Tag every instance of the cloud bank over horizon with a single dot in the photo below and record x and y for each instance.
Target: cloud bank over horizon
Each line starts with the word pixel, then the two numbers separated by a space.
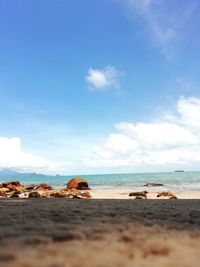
pixel 173 140
pixel 12 156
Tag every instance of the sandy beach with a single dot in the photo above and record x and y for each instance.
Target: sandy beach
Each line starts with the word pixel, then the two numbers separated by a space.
pixel 123 193
pixel 89 232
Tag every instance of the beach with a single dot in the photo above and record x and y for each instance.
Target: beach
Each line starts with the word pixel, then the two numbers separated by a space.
pixel 99 232
pixel 82 226
pixel 123 193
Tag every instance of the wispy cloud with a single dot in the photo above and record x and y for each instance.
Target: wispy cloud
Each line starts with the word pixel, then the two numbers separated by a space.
pixel 103 79
pixel 165 22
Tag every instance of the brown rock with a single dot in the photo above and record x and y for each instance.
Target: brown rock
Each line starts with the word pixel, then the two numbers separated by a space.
pixel 45 193
pixel 173 197
pixel 12 185
pixel 34 194
pixel 142 194
pixel 43 187
pixel 20 188
pixel 14 195
pixel 4 190
pixel 138 197
pixel 62 194
pixel 165 194
pixel 16 183
pixel 74 192
pixel 29 187
pixel 77 197
pixel 86 195
pixel 78 183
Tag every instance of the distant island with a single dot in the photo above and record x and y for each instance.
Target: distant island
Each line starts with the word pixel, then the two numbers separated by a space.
pixel 12 174
pixel 179 171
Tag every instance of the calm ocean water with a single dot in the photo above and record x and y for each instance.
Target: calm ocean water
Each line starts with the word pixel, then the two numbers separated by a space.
pixel 176 181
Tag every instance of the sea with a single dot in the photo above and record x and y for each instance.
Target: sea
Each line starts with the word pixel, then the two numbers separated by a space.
pixel 173 181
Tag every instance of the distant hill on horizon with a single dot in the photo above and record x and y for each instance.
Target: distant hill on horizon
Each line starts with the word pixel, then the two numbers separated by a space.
pixel 9 173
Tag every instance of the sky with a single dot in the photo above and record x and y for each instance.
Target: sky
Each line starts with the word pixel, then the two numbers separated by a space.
pixel 100 86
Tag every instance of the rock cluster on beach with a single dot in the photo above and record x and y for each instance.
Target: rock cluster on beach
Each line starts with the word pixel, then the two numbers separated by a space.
pixel 75 188
pixel 139 195
pixel 168 194
pixel 143 195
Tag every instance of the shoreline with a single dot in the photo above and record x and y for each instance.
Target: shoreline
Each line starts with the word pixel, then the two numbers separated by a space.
pixel 152 194
pixel 79 188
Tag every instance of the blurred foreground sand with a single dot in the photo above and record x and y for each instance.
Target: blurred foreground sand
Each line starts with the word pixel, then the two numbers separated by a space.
pixel 117 233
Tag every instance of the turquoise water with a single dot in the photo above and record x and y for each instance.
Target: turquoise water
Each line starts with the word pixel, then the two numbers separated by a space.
pixel 177 181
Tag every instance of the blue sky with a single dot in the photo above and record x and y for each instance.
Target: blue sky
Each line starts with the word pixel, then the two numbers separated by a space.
pixel 79 78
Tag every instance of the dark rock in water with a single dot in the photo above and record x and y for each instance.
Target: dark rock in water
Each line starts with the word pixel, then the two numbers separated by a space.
pixel 142 194
pixel 78 183
pixel 34 194
pixel 43 187
pixel 153 184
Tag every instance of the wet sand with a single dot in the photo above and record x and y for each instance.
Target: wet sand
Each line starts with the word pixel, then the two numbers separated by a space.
pixel 99 233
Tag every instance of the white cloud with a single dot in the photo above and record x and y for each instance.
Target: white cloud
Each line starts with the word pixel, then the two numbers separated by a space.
pixel 102 79
pixel 169 143
pixel 174 143
pixel 189 110
pixel 12 156
pixel 158 135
